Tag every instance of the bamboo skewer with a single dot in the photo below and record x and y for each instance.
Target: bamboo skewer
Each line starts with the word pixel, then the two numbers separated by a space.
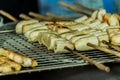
pixel 84 7
pixel 98 65
pixel 111 45
pixel 104 49
pixel 9 16
pixel 24 16
pixel 57 17
pixel 36 15
pixel 73 9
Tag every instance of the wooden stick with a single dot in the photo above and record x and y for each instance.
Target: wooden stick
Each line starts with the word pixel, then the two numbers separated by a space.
pixel 8 16
pixel 36 15
pixel 73 9
pixel 57 17
pixel 84 7
pixel 98 65
pixel 24 16
pixel 111 45
pixel 104 49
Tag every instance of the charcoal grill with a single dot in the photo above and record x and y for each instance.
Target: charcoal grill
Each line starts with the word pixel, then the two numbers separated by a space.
pixel 47 60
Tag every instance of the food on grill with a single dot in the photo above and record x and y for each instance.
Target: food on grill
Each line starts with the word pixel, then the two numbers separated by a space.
pixel 94 14
pixel 106 17
pixel 85 26
pixel 81 19
pixel 61 44
pixel 103 26
pixel 114 36
pixel 100 14
pixel 81 44
pixel 94 37
pixel 7 65
pixel 73 34
pixel 111 45
pixel 54 42
pixel 101 38
pixel 20 25
pixel 23 26
pixel 113 20
pixel 116 39
pixel 32 33
pixel 76 37
pixel 40 24
pixel 118 16
pixel 66 23
pixel 18 58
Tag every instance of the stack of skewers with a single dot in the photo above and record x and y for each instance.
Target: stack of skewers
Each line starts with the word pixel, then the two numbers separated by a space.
pixel 96 31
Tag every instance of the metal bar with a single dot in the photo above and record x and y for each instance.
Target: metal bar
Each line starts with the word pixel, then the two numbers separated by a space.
pixel 48 60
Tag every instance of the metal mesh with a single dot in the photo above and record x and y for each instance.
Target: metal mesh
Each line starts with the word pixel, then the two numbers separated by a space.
pixel 48 60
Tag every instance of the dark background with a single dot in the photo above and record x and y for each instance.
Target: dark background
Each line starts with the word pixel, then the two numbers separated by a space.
pixel 89 72
pixel 15 7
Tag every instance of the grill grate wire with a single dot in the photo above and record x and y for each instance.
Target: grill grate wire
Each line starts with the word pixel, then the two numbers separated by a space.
pixel 48 60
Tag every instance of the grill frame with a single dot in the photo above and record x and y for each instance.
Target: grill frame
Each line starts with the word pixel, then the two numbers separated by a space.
pixel 47 60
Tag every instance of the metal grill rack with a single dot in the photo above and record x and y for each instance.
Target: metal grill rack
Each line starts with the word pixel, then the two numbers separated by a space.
pixel 47 60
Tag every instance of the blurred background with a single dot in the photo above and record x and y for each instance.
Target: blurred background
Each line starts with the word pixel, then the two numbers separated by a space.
pixel 52 6
pixel 15 7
